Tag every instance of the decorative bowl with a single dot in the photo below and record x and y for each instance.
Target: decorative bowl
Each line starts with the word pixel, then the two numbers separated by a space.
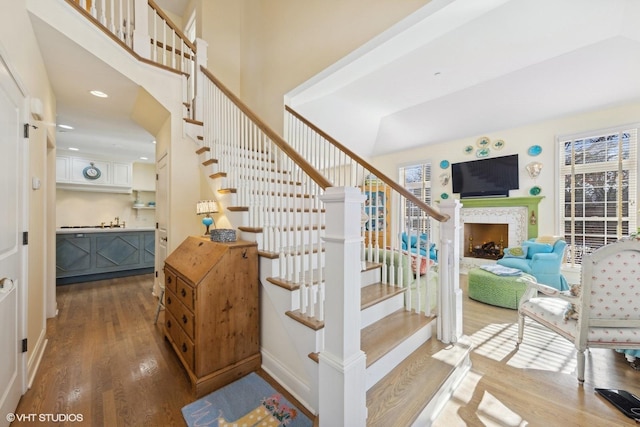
pixel 223 235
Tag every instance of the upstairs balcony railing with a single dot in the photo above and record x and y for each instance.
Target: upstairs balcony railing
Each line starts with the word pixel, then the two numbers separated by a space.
pixel 144 29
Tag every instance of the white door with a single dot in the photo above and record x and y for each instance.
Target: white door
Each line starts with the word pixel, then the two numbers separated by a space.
pixel 12 288
pixel 162 219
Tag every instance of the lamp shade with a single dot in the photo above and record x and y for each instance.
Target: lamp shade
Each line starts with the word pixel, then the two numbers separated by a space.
pixel 206 207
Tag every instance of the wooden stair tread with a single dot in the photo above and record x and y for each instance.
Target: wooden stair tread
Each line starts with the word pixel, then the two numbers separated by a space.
pixel 398 399
pixel 209 162
pixel 384 335
pixel 310 322
pixel 193 122
pixel 311 275
pixel 377 292
pixel 371 266
pixel 203 150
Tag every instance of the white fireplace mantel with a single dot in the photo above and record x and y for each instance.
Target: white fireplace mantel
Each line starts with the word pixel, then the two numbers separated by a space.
pixel 519 213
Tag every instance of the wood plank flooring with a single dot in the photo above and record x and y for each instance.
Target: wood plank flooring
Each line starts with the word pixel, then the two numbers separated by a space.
pixel 535 385
pixel 107 361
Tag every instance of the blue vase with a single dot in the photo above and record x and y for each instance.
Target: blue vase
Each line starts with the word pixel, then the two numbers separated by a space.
pixel 207 221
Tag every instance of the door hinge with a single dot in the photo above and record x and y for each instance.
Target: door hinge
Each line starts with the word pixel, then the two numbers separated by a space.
pixel 156 274
pixel 25 237
pixel 24 345
pixel 157 177
pixel 157 226
pixel 26 130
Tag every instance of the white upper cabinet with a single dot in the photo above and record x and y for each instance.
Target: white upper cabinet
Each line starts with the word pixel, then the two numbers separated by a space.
pixel 75 173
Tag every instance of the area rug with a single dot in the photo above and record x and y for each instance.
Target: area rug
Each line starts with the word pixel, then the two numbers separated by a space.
pixel 249 401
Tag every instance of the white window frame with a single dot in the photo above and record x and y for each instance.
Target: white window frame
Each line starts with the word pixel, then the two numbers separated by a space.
pixel 425 228
pixel 631 163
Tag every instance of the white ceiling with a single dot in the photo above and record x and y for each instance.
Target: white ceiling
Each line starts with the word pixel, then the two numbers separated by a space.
pixel 455 68
pixel 102 127
pixel 460 68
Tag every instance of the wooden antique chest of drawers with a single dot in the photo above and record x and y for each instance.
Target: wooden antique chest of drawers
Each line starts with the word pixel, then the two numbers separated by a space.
pixel 212 310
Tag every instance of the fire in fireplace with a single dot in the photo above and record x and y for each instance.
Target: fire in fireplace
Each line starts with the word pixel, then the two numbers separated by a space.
pixel 485 240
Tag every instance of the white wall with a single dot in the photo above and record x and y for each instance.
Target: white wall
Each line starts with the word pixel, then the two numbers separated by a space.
pixel 518 140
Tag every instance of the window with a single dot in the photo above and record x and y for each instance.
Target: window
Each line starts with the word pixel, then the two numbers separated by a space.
pixel 597 189
pixel 417 179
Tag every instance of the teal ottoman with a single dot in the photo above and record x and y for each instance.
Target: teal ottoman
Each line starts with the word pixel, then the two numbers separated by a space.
pixel 489 288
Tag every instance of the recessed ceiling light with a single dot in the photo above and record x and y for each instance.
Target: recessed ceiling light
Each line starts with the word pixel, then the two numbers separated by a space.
pixel 144 158
pixel 65 127
pixel 99 94
pixel 74 149
pixel 153 142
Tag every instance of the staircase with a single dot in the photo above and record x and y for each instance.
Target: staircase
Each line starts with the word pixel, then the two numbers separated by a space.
pixel 346 327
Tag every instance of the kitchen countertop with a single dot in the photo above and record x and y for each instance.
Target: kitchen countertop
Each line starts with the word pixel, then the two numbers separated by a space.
pixel 84 230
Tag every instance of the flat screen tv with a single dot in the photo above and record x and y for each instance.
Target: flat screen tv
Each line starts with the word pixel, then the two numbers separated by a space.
pixel 492 177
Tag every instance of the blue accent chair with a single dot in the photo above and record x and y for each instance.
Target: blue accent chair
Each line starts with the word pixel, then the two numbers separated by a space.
pixel 541 260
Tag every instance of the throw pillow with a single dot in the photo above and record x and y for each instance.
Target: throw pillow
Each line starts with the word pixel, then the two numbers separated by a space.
pixel 548 239
pixel 537 248
pixel 516 252
pixel 572 311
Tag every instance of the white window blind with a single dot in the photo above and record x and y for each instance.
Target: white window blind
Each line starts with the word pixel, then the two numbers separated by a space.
pixel 598 188
pixel 417 179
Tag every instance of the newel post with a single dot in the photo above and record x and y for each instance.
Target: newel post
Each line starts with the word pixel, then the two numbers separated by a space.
pixel 342 379
pixel 449 324
pixel 141 36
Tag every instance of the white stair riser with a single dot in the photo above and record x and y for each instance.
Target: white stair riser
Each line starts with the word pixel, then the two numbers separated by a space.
pixel 369 277
pixel 376 312
pixel 385 364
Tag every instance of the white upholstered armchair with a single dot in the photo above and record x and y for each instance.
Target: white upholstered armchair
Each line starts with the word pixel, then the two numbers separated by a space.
pixel 605 314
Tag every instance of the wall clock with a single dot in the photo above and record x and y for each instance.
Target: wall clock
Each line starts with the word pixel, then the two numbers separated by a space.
pixel 91 172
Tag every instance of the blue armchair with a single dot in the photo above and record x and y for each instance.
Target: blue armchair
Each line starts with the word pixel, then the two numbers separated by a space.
pixel 541 258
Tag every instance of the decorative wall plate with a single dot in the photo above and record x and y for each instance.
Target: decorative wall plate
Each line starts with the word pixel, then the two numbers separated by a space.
pixel 444 196
pixel 444 178
pixel 498 144
pixel 483 142
pixel 91 172
pixel 534 150
pixel 468 149
pixel 482 152
pixel 535 190
pixel 444 164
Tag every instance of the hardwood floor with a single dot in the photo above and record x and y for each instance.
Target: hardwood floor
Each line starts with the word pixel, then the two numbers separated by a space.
pixel 107 361
pixel 535 385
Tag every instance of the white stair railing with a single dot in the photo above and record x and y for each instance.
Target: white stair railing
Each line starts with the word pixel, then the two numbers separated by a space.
pixel 395 219
pixel 279 187
pixel 162 43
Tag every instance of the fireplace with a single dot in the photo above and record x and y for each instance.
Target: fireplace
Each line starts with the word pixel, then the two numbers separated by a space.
pixel 506 222
pixel 484 240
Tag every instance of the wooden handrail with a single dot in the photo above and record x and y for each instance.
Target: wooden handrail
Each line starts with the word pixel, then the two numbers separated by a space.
pixel 170 23
pixel 171 49
pixel 388 181
pixel 316 176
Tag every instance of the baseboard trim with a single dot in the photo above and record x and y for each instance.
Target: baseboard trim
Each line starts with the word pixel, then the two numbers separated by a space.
pixel 36 357
pixel 291 383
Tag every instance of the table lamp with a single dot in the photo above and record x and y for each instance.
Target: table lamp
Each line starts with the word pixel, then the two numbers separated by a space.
pixel 206 208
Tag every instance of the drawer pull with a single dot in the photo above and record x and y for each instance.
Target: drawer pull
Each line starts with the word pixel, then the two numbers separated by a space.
pixel 169 279
pixel 168 300
pixel 169 324
pixel 184 348
pixel 184 319
pixel 183 292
